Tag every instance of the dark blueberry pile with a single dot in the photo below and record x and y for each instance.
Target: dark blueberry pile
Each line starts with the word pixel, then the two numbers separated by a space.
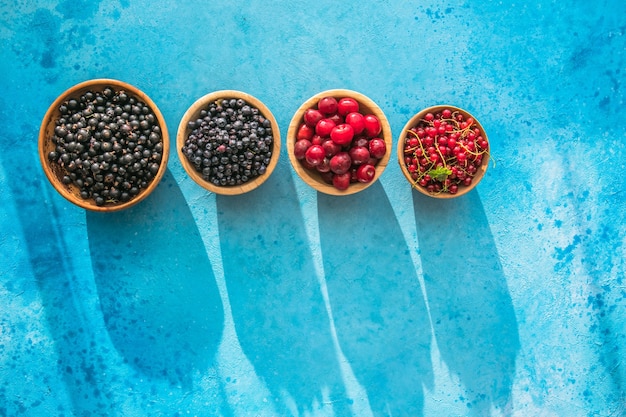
pixel 230 143
pixel 108 144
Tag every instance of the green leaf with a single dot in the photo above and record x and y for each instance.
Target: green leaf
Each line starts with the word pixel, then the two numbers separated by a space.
pixel 439 173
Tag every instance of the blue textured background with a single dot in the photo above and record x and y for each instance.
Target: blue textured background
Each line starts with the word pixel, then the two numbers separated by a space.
pixel 509 301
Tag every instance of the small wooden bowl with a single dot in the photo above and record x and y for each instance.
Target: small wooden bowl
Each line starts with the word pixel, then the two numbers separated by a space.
pixel 313 178
pixel 54 173
pixel 193 113
pixel 463 189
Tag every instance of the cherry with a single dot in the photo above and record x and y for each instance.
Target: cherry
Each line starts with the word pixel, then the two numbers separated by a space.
pixel 365 173
pixel 324 166
pixel 300 148
pixel 318 140
pixel 327 177
pixel 336 118
pixel 372 125
pixel 357 121
pixel 342 181
pixel 327 105
pixel 305 132
pixel 342 144
pixel 315 155
pixel 324 127
pixel 347 105
pixel 312 116
pixel 342 134
pixel 330 147
pixel 359 154
pixel 377 148
pixel 360 141
pixel 340 163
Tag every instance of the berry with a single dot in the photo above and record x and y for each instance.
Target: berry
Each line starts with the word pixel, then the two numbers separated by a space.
pixel 359 154
pixel 347 105
pixel 312 116
pixel 365 173
pixel 342 181
pixel 344 146
pixel 377 148
pixel 305 132
pixel 330 147
pixel 301 147
pixel 357 121
pixel 340 163
pixel 444 151
pixel 324 127
pixel 327 105
pixel 315 155
pixel 231 142
pixel 372 125
pixel 106 140
pixel 324 166
pixel 342 134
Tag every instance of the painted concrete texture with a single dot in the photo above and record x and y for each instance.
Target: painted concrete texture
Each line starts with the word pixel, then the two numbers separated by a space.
pixel 509 301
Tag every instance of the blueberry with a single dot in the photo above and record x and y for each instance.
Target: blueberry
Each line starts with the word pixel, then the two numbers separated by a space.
pixel 232 132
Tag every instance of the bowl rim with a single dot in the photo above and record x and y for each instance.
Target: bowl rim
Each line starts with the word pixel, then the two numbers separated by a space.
pixel 312 178
pixel 463 189
pixel 48 122
pixel 183 133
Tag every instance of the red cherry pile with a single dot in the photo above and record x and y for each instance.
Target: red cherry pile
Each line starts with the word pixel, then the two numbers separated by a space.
pixel 444 151
pixel 340 142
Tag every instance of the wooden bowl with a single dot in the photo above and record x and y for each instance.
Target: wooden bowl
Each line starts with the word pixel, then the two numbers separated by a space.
pixel 193 113
pixel 54 172
pixel 313 178
pixel 462 189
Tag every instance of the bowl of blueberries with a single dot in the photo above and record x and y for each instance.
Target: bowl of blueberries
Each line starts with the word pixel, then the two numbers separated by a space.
pixel 228 142
pixel 103 145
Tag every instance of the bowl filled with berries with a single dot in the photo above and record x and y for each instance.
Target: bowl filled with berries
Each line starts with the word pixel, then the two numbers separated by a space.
pixel 339 142
pixel 103 145
pixel 228 142
pixel 443 151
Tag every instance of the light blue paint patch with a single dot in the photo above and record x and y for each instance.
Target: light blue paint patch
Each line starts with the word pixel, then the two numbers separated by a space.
pixel 565 255
pixel 45 26
pixel 78 9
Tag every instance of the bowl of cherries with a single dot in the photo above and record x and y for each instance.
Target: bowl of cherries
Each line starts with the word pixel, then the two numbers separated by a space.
pixel 443 151
pixel 103 145
pixel 339 142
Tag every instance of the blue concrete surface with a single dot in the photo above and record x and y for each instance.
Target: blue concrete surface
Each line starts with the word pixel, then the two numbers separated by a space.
pixel 509 301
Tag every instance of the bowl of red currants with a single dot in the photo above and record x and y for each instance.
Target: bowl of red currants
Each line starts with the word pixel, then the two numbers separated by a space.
pixel 443 151
pixel 228 142
pixel 103 145
pixel 339 142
